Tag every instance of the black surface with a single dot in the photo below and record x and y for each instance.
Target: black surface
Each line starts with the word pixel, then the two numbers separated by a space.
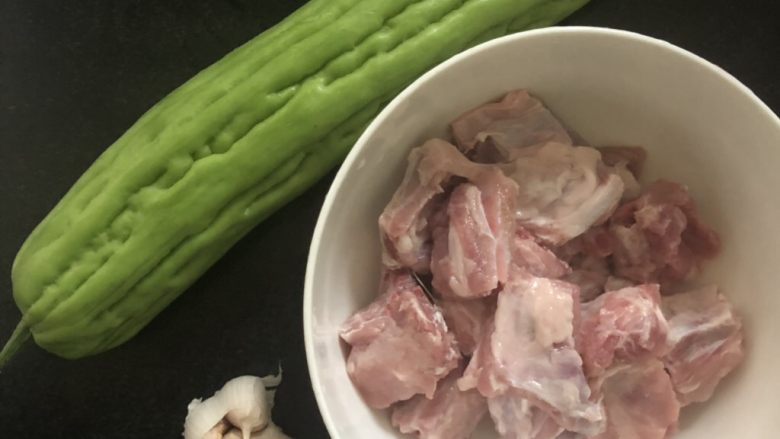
pixel 75 74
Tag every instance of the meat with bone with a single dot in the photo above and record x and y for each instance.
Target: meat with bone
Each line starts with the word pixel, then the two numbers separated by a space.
pixel 564 190
pixel 639 401
pixel 659 236
pixel 528 352
pixel 404 223
pixel 399 344
pixel 706 337
pixel 518 120
pixel 472 254
pixel 622 326
pixel 451 414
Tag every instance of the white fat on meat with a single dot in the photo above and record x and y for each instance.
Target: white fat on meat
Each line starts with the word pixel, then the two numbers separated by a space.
pixel 620 327
pixel 564 190
pixel 450 414
pixel 517 120
pixel 528 352
pixel 706 337
pixel 399 344
pixel 639 401
pixel 516 417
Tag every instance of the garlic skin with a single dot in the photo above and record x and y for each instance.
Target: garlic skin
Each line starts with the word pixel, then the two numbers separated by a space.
pixel 241 410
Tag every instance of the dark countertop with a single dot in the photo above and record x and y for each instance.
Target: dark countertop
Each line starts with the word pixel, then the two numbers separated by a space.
pixel 74 75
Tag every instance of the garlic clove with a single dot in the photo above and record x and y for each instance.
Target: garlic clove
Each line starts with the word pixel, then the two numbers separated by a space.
pixel 246 397
pixel 202 417
pixel 243 403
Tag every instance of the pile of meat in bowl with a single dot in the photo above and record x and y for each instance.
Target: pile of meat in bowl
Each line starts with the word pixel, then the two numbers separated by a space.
pixel 535 281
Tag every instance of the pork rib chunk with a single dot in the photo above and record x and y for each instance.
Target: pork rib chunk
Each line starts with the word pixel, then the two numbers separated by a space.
pixel 399 344
pixel 706 337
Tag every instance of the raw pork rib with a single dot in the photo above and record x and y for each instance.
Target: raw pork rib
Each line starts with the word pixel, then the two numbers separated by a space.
pixel 467 320
pixel 400 344
pixel 528 352
pixel 518 120
pixel 622 326
pixel 404 223
pixel 451 414
pixel 471 256
pixel 659 237
pixel 706 337
pixel 640 402
pixel 564 190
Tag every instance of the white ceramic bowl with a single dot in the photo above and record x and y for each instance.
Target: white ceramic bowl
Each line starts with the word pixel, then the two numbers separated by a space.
pixel 701 127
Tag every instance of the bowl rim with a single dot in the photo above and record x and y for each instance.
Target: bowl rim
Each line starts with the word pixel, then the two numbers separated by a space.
pixel 348 162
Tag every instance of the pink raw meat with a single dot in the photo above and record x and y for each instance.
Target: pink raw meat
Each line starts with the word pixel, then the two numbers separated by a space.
pixel 564 190
pixel 471 256
pixel 529 255
pixel 451 414
pixel 529 350
pixel 404 223
pixel 518 120
pixel 706 336
pixel 467 320
pixel 400 344
pixel 516 417
pixel 640 402
pixel 659 236
pixel 622 326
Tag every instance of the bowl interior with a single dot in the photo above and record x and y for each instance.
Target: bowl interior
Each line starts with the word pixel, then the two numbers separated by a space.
pixel 701 127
